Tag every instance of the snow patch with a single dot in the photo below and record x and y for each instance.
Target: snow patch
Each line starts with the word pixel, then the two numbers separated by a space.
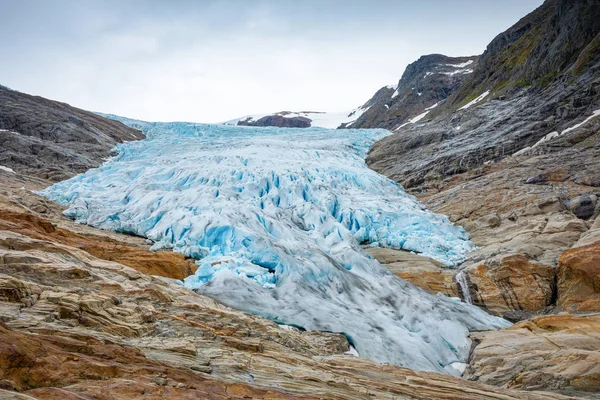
pixel 476 100
pixel 6 169
pixel 461 65
pixel 459 366
pixel 419 117
pixel 458 71
pixel 352 352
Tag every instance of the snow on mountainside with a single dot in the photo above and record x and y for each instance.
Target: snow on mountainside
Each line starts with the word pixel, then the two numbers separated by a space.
pixel 276 218
pixel 426 82
pixel 328 120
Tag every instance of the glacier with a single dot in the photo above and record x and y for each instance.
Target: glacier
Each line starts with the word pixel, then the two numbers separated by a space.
pixel 277 219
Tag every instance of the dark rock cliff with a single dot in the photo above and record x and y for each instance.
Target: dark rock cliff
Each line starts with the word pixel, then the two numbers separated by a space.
pixel 53 140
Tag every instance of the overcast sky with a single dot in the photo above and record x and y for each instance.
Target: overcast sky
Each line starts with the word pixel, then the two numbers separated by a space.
pixel 209 61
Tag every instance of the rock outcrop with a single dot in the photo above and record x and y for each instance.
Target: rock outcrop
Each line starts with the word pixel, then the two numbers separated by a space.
pixel 579 278
pixel 513 284
pixel 53 140
pixel 424 272
pixel 559 352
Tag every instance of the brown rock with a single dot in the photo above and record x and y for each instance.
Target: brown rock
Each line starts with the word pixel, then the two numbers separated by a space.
pixel 424 272
pixel 515 284
pixel 162 263
pixel 579 278
pixel 558 352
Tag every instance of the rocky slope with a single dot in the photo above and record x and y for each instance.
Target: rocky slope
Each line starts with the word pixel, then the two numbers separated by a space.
pixel 510 101
pixel 53 140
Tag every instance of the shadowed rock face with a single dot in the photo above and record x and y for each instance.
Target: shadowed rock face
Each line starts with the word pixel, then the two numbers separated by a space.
pixel 53 140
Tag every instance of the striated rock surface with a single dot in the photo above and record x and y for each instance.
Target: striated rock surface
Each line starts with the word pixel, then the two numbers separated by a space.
pixel 559 352
pixel 578 278
pixel 513 284
pixel 424 272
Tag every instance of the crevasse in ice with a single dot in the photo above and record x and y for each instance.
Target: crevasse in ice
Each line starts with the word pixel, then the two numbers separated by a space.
pixel 276 218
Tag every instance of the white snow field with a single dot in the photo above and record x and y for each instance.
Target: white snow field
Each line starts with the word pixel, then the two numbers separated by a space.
pixel 276 218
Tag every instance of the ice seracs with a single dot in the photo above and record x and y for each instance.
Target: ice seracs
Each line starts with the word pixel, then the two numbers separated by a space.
pixel 277 219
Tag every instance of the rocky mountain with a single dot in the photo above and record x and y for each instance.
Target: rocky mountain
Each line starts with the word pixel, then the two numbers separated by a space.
pixel 278 120
pixel 425 84
pixel 537 78
pixel 53 140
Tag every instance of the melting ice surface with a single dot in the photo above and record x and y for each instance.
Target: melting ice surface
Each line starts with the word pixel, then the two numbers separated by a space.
pixel 276 218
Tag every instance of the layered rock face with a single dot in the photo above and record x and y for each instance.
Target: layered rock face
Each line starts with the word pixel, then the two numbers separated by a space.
pixel 53 140
pixel 554 352
pixel 579 278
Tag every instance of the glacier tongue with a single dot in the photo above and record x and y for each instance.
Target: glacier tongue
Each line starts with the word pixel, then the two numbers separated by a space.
pixel 276 218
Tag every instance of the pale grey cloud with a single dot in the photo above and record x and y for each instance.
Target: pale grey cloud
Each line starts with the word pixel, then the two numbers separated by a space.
pixel 214 60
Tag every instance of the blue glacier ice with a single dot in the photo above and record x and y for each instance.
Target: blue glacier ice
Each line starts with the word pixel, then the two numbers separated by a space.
pixel 276 218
